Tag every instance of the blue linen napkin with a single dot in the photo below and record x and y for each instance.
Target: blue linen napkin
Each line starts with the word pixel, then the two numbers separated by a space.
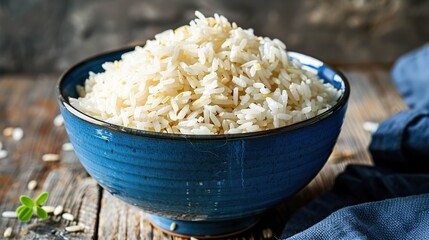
pixel 390 200
pixel 396 218
pixel 402 142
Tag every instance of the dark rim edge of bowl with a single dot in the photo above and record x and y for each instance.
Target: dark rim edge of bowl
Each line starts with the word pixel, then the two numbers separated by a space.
pixel 225 137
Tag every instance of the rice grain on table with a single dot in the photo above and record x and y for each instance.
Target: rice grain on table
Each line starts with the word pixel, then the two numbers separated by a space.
pixel 67 147
pixel 208 77
pixel 49 209
pixel 8 232
pixel 58 210
pixel 67 216
pixel 3 153
pixel 50 157
pixel 75 228
pixel 17 134
pixel 58 120
pixel 9 214
pixel 370 127
pixel 32 185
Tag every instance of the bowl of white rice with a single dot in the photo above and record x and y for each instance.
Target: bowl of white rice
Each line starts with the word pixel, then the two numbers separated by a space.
pixel 203 127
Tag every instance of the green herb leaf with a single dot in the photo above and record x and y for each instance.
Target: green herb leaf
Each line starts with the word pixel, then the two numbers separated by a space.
pixel 20 208
pixel 30 206
pixel 25 214
pixel 26 201
pixel 41 199
pixel 41 213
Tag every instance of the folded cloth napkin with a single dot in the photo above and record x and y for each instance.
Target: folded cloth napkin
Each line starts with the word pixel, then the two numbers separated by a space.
pixel 402 142
pixel 359 193
pixel 390 200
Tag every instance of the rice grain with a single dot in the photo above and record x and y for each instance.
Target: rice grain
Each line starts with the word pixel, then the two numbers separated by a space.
pixel 58 120
pixel 170 84
pixel 3 154
pixel 67 216
pixel 48 209
pixel 58 210
pixel 32 185
pixel 9 214
pixel 17 134
pixel 67 147
pixel 75 228
pixel 50 157
pixel 8 232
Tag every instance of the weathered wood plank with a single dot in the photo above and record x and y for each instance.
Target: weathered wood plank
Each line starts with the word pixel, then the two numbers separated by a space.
pixel 20 166
pixel 78 195
pixel 119 220
pixel 31 104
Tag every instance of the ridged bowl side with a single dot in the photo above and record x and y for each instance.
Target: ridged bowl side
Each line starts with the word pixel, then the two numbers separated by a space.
pixel 200 178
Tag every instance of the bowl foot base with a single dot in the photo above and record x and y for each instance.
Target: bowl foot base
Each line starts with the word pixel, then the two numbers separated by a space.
pixel 203 229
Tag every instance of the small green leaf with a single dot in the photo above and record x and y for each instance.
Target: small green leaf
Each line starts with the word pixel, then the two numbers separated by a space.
pixel 20 208
pixel 26 200
pixel 30 207
pixel 41 199
pixel 25 214
pixel 41 213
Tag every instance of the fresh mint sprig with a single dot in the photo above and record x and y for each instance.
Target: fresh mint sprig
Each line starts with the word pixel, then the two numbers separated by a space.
pixel 30 206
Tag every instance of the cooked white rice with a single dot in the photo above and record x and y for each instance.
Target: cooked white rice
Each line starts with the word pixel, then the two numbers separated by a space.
pixel 208 77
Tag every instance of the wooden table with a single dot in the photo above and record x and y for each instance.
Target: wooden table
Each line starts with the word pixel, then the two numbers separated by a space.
pixel 30 102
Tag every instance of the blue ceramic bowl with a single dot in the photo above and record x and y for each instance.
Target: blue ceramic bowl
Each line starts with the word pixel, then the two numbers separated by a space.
pixel 207 185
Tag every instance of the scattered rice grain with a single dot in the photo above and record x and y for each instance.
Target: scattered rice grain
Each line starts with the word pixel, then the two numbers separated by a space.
pixel 32 185
pixel 17 134
pixel 49 209
pixel 50 157
pixel 8 232
pixel 3 154
pixel 75 228
pixel 58 120
pixel 370 127
pixel 9 214
pixel 173 226
pixel 67 216
pixel 67 147
pixel 58 210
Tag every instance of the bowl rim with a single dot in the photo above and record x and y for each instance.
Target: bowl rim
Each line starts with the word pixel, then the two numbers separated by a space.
pixel 189 137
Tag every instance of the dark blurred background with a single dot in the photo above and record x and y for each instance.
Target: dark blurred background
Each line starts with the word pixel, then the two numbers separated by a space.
pixel 47 36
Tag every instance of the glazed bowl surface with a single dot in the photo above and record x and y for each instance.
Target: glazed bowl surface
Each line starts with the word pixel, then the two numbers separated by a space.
pixel 201 177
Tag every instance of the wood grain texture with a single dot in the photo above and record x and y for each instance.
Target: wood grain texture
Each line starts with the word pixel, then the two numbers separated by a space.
pixel 30 103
